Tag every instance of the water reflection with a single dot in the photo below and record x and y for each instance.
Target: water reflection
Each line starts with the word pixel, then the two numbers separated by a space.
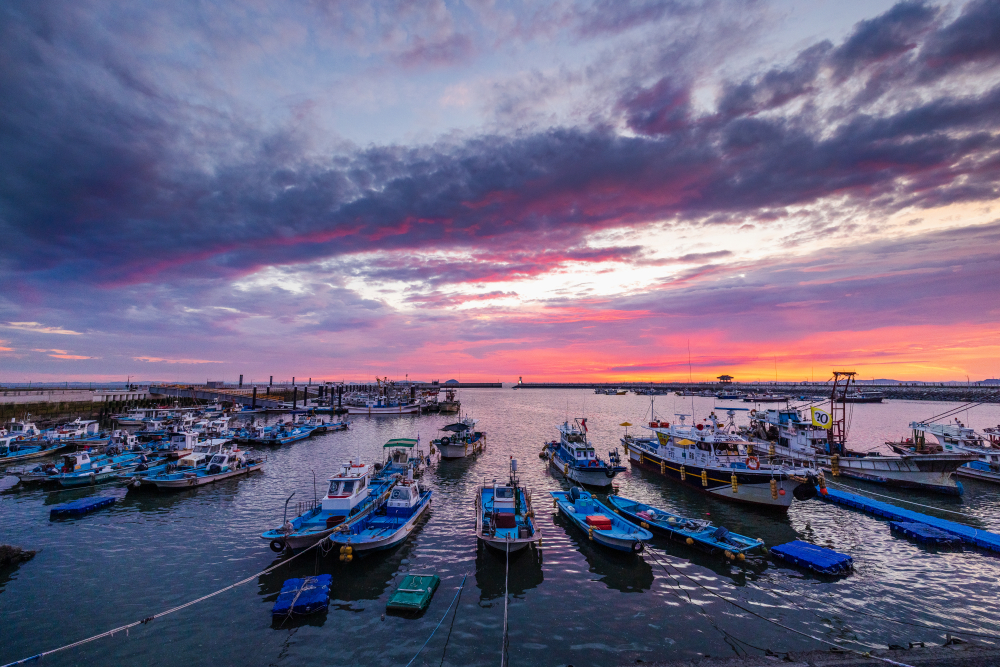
pixel 524 574
pixel 621 571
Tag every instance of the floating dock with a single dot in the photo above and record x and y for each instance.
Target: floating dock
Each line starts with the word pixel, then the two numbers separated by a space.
pixel 921 532
pixel 414 592
pixel 812 557
pixel 82 506
pixel 980 538
pixel 299 597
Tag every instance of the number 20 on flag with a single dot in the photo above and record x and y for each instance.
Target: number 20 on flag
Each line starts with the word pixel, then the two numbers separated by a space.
pixel 820 418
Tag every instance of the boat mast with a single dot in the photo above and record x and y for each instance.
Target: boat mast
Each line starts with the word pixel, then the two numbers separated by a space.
pixel 838 411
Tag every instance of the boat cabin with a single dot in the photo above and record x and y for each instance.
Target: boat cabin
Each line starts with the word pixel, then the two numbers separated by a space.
pixel 348 488
pixel 404 497
pixel 76 462
pixel 123 440
pixel 22 429
pixel 573 441
pixel 182 442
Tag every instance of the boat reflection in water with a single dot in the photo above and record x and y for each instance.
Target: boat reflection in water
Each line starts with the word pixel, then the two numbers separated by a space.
pixel 621 571
pixel 491 567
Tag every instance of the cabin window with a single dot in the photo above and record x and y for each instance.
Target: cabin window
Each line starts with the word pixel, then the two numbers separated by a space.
pixel 218 459
pixel 348 487
pixel 704 446
pixel 399 494
pixel 505 492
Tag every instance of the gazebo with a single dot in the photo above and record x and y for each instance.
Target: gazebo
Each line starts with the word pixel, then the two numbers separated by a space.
pixel 725 379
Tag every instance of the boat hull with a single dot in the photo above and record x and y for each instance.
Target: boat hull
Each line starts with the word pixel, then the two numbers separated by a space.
pixel 982 472
pixel 387 542
pixel 31 455
pixel 587 476
pixel 930 472
pixel 459 451
pixel 385 411
pixel 201 480
pixel 624 536
pixel 753 488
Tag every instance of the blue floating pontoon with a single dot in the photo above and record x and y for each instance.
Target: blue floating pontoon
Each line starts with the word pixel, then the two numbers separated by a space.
pixel 812 557
pixel 82 506
pixel 924 533
pixel 299 597
pixel 980 538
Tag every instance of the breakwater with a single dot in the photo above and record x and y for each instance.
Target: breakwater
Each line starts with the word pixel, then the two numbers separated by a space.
pixel 911 391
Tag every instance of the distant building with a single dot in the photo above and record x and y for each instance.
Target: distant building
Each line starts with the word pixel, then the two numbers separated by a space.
pixel 992 381
pixel 215 384
pixel 725 379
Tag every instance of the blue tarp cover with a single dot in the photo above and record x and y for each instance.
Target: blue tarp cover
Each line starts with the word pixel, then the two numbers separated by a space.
pixel 812 557
pixel 303 596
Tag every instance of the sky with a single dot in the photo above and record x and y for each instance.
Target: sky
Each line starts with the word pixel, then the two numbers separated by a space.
pixel 617 189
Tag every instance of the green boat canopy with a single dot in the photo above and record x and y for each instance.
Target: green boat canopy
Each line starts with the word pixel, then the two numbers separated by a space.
pixel 400 442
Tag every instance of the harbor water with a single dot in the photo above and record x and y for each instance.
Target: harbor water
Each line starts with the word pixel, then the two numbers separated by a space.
pixel 571 603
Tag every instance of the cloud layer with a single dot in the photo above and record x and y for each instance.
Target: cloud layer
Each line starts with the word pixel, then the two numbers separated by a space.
pixel 163 202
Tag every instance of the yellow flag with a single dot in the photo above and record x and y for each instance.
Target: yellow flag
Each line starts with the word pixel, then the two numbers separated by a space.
pixel 820 418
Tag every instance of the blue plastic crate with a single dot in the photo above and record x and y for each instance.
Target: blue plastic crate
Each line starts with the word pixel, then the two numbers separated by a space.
pixel 812 557
pixel 82 506
pixel 299 597
pixel 924 533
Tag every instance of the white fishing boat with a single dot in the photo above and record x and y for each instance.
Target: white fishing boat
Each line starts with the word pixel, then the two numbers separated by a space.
pixel 956 437
pixel 463 440
pixel 223 465
pixel 575 457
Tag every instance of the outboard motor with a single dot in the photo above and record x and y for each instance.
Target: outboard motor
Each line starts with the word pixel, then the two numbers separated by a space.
pixel 574 493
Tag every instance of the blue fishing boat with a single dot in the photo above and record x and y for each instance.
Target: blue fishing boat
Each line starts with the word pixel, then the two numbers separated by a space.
pixel 353 491
pixel 226 464
pixel 387 525
pixel 505 519
pixel 574 456
pixel 279 434
pixel 151 469
pixel 403 455
pixel 600 523
pixel 14 448
pixel 697 532
pixel 80 470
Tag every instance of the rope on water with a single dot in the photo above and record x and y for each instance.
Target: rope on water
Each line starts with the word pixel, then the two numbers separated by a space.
pixel 930 507
pixel 504 657
pixel 453 600
pixel 111 633
pixel 773 622
pixel 452 626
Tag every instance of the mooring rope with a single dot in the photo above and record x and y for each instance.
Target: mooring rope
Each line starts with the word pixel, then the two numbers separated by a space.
pixel 111 633
pixel 773 622
pixel 504 658
pixel 453 600
pixel 930 507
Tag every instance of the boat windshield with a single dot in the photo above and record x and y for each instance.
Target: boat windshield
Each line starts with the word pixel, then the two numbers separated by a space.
pixel 218 459
pixel 505 492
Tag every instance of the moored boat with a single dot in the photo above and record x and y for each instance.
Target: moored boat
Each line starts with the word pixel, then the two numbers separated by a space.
pixel 600 523
pixel 697 532
pixel 79 469
pixel 464 440
pixel 352 492
pixel 13 448
pixel 710 457
pixel 505 520
pixel 575 457
pixel 388 524
pixel 223 465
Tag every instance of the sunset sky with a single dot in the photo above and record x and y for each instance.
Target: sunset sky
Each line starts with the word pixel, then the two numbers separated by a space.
pixel 485 190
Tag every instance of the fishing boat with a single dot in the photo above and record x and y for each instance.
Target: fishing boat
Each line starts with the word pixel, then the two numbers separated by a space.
pixel 144 473
pixel 505 520
pixel 14 448
pixel 223 465
pixel 22 429
pixel 860 396
pixel 80 470
pixel 600 523
pixel 820 440
pixel 387 525
pixel 176 445
pixel 713 458
pixel 766 398
pixel 954 437
pixel 464 440
pixel 576 459
pixel 404 455
pixel 352 491
pixel 380 406
pixel 697 532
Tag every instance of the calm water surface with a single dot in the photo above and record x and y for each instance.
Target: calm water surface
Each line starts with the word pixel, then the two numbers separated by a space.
pixel 572 603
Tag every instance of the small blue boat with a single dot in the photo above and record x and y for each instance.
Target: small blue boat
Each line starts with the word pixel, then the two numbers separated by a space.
pixel 698 532
pixel 600 523
pixel 387 525
pixel 575 457
pixel 505 520
pixel 80 470
pixel 14 448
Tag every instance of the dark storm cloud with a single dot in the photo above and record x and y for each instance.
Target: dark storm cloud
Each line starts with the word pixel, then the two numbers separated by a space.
pixel 108 180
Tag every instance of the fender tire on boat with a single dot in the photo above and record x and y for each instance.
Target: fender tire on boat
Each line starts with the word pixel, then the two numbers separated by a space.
pixel 277 546
pixel 638 547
